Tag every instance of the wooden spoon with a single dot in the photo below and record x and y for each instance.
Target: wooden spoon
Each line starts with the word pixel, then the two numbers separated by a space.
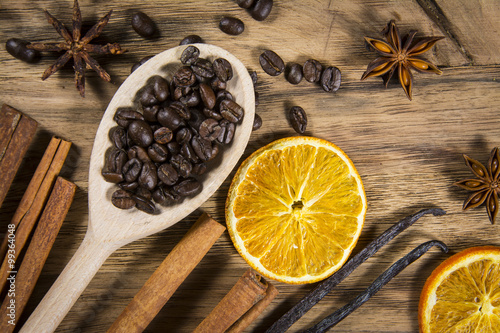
pixel 110 228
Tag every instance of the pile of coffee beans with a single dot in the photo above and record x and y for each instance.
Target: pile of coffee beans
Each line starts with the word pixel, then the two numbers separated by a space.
pixel 160 151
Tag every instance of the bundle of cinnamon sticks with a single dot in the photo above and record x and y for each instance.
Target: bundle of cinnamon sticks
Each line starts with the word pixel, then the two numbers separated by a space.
pixel 39 215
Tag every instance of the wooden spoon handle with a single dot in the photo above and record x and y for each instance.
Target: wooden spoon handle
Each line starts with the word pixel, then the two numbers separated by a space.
pixel 69 285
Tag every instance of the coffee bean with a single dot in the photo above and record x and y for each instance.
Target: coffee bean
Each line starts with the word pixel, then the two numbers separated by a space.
pixel 181 109
pixel 138 152
pixel 183 135
pixel 148 177
pixel 253 76
pixel 163 135
pixel 132 169
pixel 293 73
pixel 257 100
pixel 158 153
pixel 167 174
pixel 118 136
pixel 257 122
pixel 143 24
pixel 209 129
pixel 231 25
pixel 312 70
pixel 197 117
pixel 188 152
pixel 191 39
pixel 184 77
pixel 298 119
pixel 125 116
pixel 187 96
pixel 144 192
pixel 203 68
pixel 261 9
pixel 161 88
pixel 147 96
pixel 207 95
pixel 330 79
pixel 231 110
pixel 271 63
pixel 210 113
pixel 188 187
pixel 182 165
pixel 204 148
pixel 129 186
pixel 217 84
pixel 140 63
pixel 144 204
pixel 18 49
pixel 113 177
pixel 173 148
pixel 227 132
pixel 190 55
pixel 115 160
pixel 245 3
pixel 122 199
pixel 140 132
pixel 223 94
pixel 149 113
pixel 168 117
pixel 199 169
pixel 223 69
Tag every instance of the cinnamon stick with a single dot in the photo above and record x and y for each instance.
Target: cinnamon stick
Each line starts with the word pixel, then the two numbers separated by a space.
pixel 33 187
pixel 23 283
pixel 249 290
pixel 168 276
pixel 19 131
pixel 26 221
pixel 241 324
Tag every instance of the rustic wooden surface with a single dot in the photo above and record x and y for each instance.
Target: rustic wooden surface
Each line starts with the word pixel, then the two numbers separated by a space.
pixel 408 153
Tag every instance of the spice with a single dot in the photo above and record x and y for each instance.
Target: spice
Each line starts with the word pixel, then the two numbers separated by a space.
pixel 249 290
pixel 78 47
pixel 394 54
pixel 34 198
pixel 16 132
pixel 306 303
pixel 486 188
pixel 381 281
pixel 255 311
pixel 168 276
pixel 44 237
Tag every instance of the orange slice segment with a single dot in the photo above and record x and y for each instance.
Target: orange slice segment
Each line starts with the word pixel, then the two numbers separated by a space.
pixel 295 209
pixel 463 293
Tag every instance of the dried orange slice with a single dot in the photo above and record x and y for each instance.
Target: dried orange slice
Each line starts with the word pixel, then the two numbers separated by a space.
pixel 463 293
pixel 295 209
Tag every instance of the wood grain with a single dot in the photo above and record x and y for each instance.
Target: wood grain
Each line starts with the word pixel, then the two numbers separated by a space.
pixel 407 153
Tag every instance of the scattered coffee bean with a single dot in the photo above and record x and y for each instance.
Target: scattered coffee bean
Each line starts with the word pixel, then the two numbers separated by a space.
pixel 298 119
pixel 261 9
pixel 19 50
pixel 190 55
pixel 271 63
pixel 253 75
pixel 143 24
pixel 140 63
pixel 257 122
pixel 122 199
pixel 191 39
pixel 231 25
pixel 312 70
pixel 293 73
pixel 245 3
pixel 330 79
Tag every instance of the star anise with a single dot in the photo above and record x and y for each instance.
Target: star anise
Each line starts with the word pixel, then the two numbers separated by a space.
pixel 78 47
pixel 401 54
pixel 486 187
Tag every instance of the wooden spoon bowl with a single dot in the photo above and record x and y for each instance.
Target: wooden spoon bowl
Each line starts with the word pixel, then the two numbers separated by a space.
pixel 109 227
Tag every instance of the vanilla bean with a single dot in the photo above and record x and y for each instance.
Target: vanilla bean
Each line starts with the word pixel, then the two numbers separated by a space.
pixel 381 281
pixel 311 299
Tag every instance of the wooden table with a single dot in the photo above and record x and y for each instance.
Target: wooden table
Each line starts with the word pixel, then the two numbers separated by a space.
pixel 408 153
